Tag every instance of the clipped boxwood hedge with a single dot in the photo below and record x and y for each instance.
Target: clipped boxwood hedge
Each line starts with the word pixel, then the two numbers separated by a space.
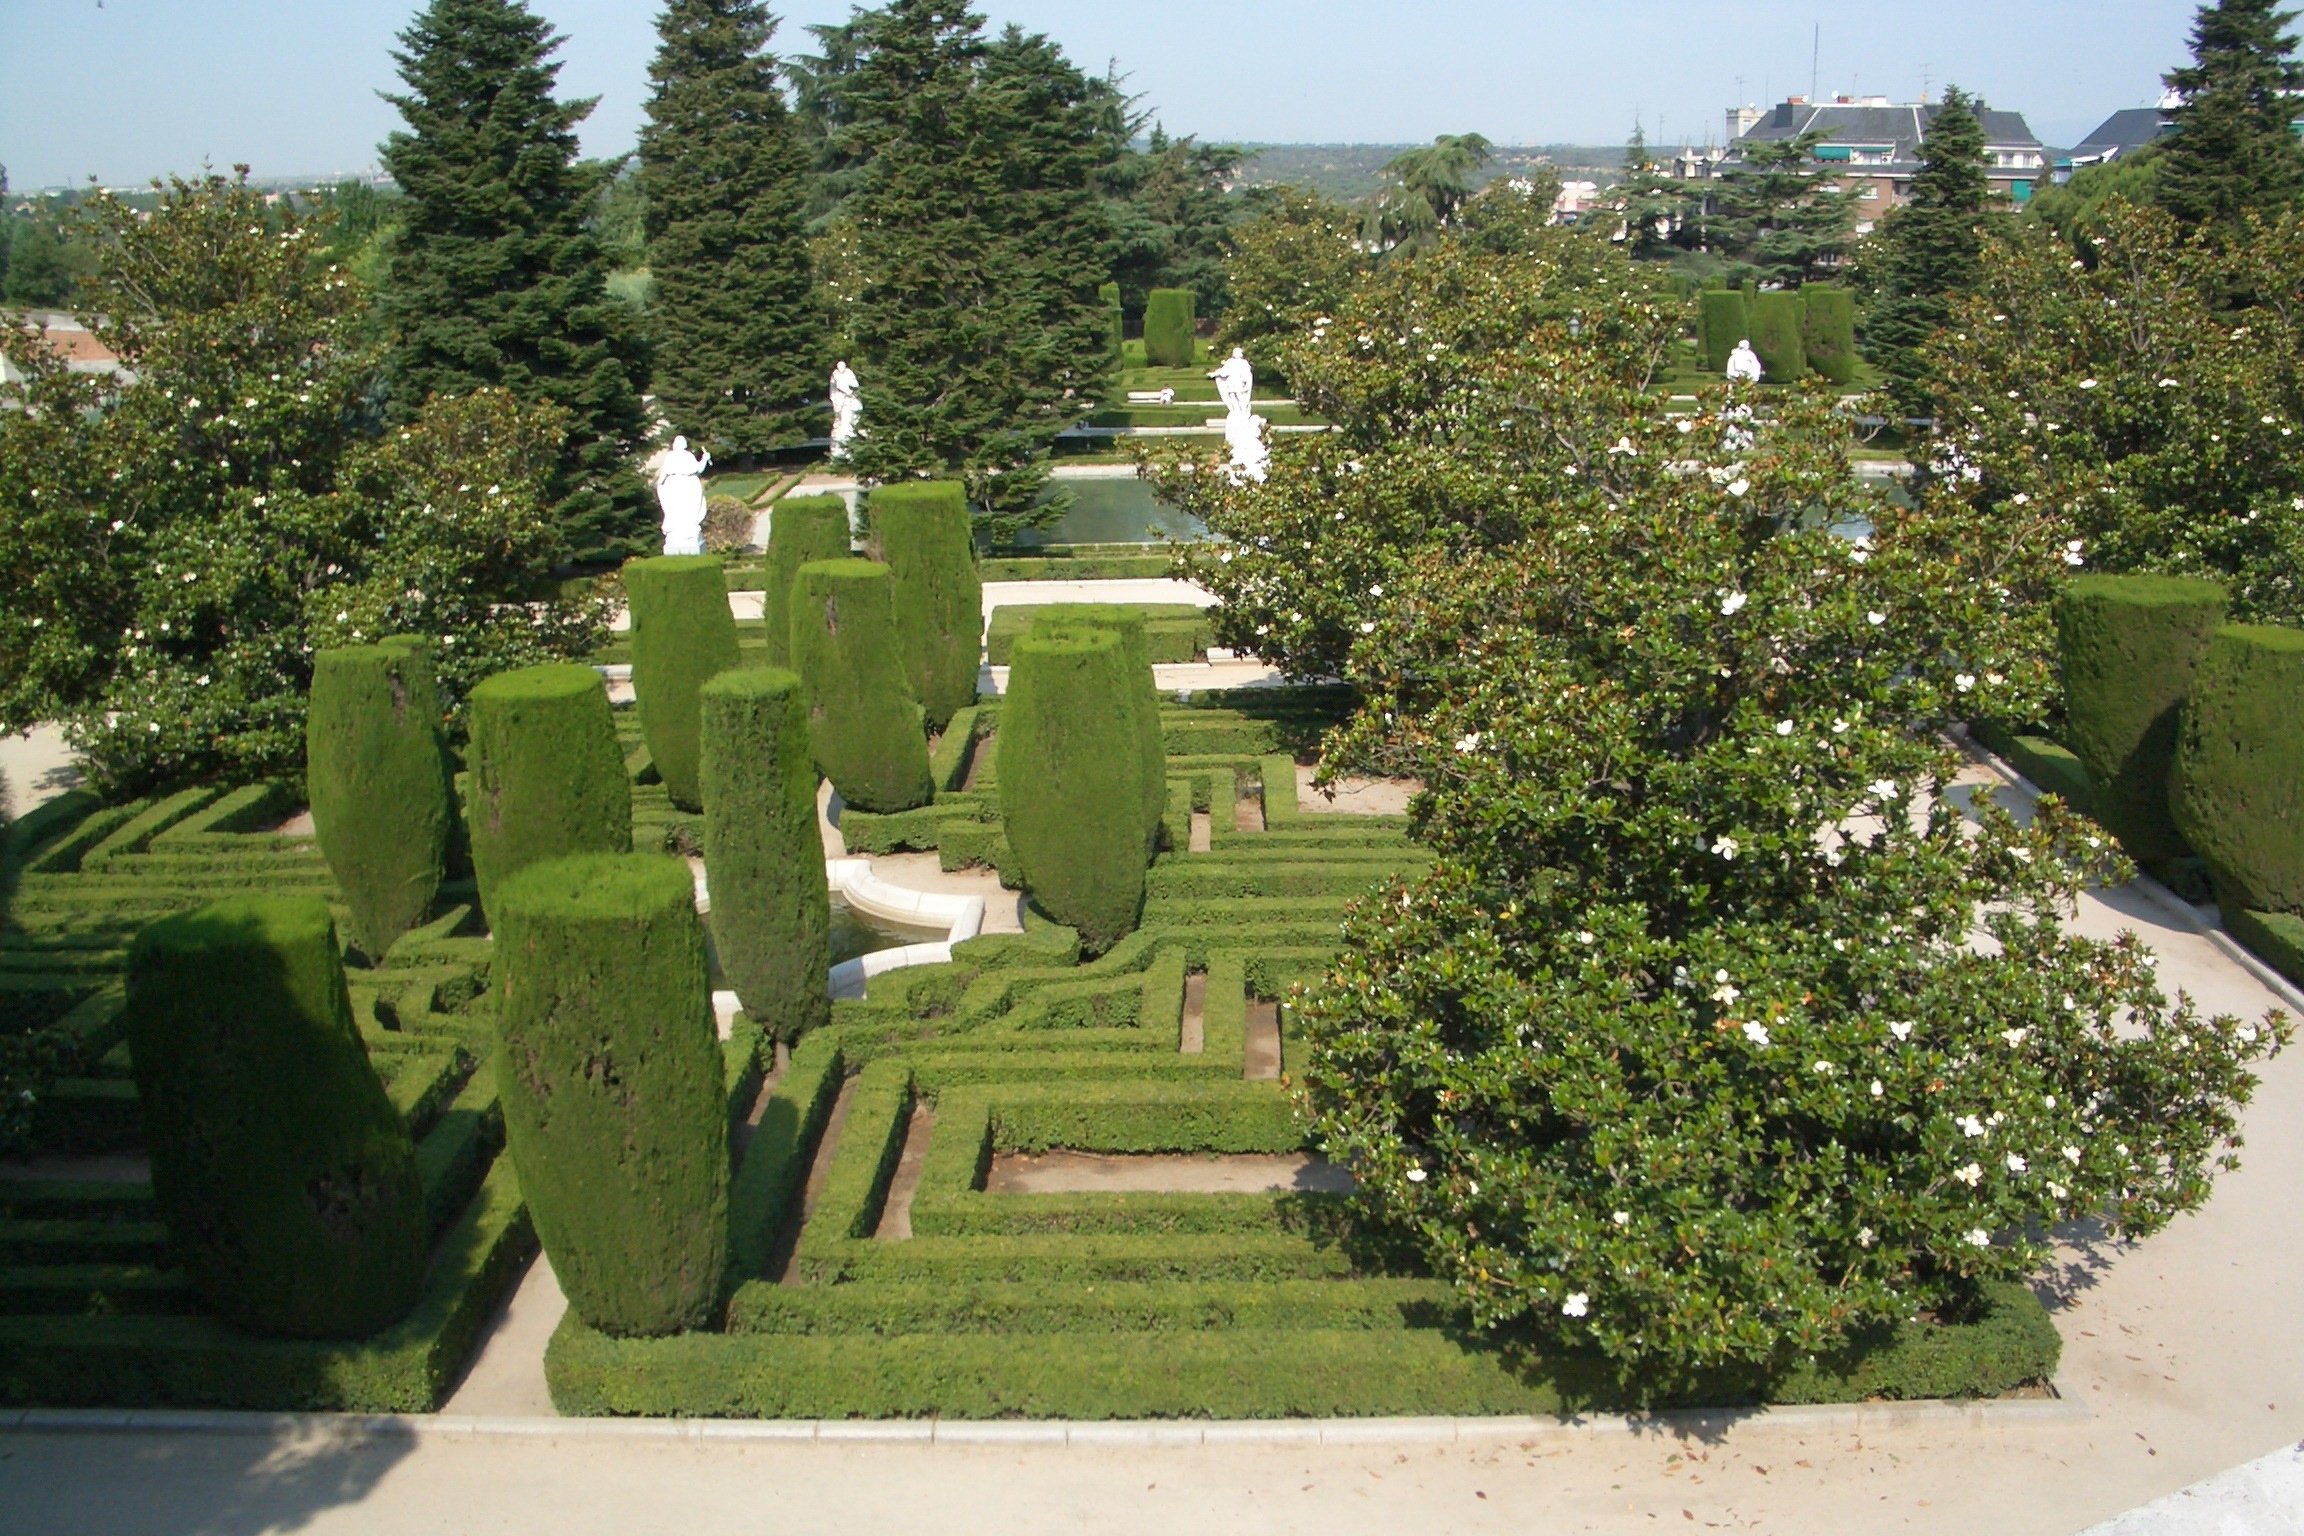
pixel 763 853
pixel 610 1070
pixel 2239 794
pixel 1775 320
pixel 2128 647
pixel 1168 321
pixel 682 636
pixel 1828 331
pixel 1724 323
pixel 382 806
pixel 862 721
pixel 1128 623
pixel 1071 780
pixel 1109 294
pixel 922 526
pixel 287 1181
pixel 801 529
pixel 547 776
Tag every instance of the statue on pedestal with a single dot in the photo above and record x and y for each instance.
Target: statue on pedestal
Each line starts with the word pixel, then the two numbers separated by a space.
pixel 1235 383
pixel 1744 364
pixel 680 496
pixel 847 407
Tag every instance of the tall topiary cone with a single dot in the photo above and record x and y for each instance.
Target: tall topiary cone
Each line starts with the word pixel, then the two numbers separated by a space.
pixel 1775 317
pixel 2239 794
pixel 609 1068
pixel 1109 294
pixel 2129 646
pixel 548 779
pixel 285 1177
pixel 381 801
pixel 1724 324
pixel 862 722
pixel 1128 624
pixel 682 636
pixel 1072 780
pixel 801 529
pixel 763 854
pixel 1828 331
pixel 931 556
pixel 1168 328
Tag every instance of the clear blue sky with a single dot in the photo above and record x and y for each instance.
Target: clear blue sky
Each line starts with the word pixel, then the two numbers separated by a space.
pixel 128 89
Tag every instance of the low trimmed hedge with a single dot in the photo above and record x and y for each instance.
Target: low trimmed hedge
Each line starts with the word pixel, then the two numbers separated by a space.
pixel 1173 632
pixel 2239 787
pixel 683 635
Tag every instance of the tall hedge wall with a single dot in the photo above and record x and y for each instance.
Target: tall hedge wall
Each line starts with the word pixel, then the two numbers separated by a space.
pixel 1828 331
pixel 610 1071
pixel 381 805
pixel 1128 624
pixel 763 854
pixel 547 777
pixel 800 529
pixel 1114 319
pixel 1724 324
pixel 931 556
pixel 2239 795
pixel 682 636
pixel 1775 320
pixel 1168 328
pixel 285 1177
pixel 1071 780
pixel 2129 646
pixel 863 724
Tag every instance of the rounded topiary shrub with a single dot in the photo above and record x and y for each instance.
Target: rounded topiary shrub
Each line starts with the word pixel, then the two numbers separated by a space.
pixel 608 1063
pixel 2239 788
pixel 1828 332
pixel 1724 324
pixel 1071 770
pixel 801 529
pixel 1168 322
pixel 382 805
pixel 548 779
pixel 285 1178
pixel 763 852
pixel 682 635
pixel 862 721
pixel 2129 646
pixel 925 540
pixel 1152 752
pixel 1775 319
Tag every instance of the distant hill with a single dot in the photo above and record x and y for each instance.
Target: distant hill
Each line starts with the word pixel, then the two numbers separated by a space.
pixel 1348 171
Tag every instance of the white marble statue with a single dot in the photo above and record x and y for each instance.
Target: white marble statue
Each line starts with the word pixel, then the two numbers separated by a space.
pixel 847 407
pixel 1744 365
pixel 1244 437
pixel 680 495
pixel 1235 384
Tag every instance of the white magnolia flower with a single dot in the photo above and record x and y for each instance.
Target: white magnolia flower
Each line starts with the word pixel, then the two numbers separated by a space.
pixel 1783 727
pixel 1877 1090
pixel 1970 1126
pixel 1367 626
pixel 1468 742
pixel 1901 1030
pixel 1732 603
pixel 1584 935
pixel 1576 1305
pixel 2072 1156
pixel 2014 1037
pixel 2087 383
pixel 1825 1069
pixel 1623 445
pixel 1971 1175
pixel 2073 555
pixel 2016 1162
pixel 1622 1218
pixel 1756 1032
pixel 1884 788
pixel 1864 1237
pixel 1979 1238
pixel 1725 992
pixel 1964 681
pixel 1415 1175
pixel 1739 487
pixel 2168 384
pixel 1875 618
pixel 1685 425
pixel 2057 1191
pixel 1726 847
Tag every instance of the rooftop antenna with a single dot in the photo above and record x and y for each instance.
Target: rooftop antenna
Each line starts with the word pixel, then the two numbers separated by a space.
pixel 1927 79
pixel 1815 54
pixel 1739 90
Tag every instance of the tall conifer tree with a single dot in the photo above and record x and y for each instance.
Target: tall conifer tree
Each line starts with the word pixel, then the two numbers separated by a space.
pixel 2234 149
pixel 495 279
pixel 740 342
pixel 1929 249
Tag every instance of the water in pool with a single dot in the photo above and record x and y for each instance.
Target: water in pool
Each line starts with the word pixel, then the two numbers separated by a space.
pixel 853 933
pixel 1114 511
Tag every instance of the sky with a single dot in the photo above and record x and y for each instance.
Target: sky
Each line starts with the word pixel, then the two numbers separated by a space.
pixel 125 90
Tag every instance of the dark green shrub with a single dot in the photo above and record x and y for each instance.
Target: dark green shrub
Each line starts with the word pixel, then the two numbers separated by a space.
pixel 800 529
pixel 1071 780
pixel 547 777
pixel 381 805
pixel 682 636
pixel 1724 325
pixel 2239 789
pixel 771 910
pixel 2129 646
pixel 288 1184
pixel 922 526
pixel 862 722
pixel 1114 319
pixel 610 1071
pixel 1828 331
pixel 1168 328
pixel 1775 321
pixel 1128 624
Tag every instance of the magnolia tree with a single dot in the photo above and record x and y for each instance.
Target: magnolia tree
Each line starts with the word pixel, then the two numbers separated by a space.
pixel 1717 1033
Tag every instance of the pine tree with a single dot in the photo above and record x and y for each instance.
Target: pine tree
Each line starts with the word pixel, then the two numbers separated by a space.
pixel 1781 211
pixel 1929 249
pixel 1649 200
pixel 740 349
pixel 496 279
pixel 2234 149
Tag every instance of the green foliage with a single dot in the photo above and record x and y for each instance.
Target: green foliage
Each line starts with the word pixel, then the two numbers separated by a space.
pixel 1172 632
pixel 922 531
pixel 496 278
pixel 1424 192
pixel 1169 340
pixel 1724 325
pixel 1650 201
pixel 1828 331
pixel 548 780
pixel 1775 316
pixel 2127 648
pixel 1115 317
pixel 800 529
pixel 863 723
pixel 1135 663
pixel 1294 263
pixel 2076 210
pixel 763 854
pixel 740 340
pixel 1171 206
pixel 683 635
pixel 1071 780
pixel 44 265
pixel 2239 786
pixel 287 1181
pixel 1928 249
pixel 2234 151
pixel 610 1070
pixel 1781 209
pixel 382 801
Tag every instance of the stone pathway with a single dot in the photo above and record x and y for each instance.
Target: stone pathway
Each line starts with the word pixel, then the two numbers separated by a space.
pixel 1097 1173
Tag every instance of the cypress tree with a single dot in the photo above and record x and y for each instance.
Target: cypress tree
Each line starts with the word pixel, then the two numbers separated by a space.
pixel 1930 249
pixel 2233 150
pixel 495 278
pixel 381 805
pixel 682 637
pixel 740 348
pixel 922 526
pixel 1072 780
pixel 801 529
